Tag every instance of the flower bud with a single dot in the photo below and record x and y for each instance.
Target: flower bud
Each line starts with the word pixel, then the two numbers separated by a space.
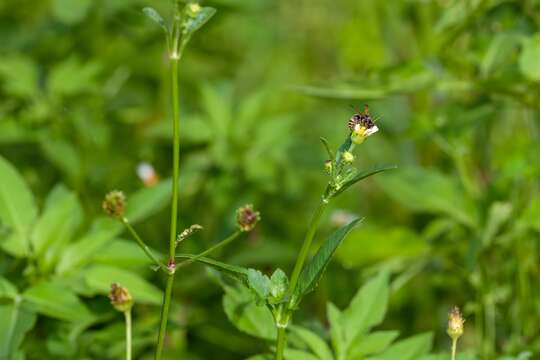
pixel 247 218
pixel 328 166
pixel 455 323
pixel 348 157
pixel 114 204
pixel 120 298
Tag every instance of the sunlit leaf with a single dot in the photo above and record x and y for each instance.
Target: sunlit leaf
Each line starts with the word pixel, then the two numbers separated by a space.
pixel 16 321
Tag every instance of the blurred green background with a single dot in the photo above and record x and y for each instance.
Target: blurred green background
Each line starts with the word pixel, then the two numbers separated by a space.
pixel 84 99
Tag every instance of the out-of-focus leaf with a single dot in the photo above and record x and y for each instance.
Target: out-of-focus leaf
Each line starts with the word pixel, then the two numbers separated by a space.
pixel 261 357
pixel 500 50
pixel 18 76
pixel 148 201
pixel 367 308
pixel 364 246
pixel 430 191
pixel 372 343
pixel 64 155
pixel 337 329
pixel 60 219
pixel 314 342
pixel 123 253
pixel 298 355
pixel 531 216
pixel 100 277
pixel 70 12
pixel 82 251
pixel 345 92
pixel 528 59
pixel 499 213
pixel 72 77
pixel 313 271
pixel 409 349
pixel 245 315
pixel 54 300
pixel 17 209
pixel 16 321
pixel 7 289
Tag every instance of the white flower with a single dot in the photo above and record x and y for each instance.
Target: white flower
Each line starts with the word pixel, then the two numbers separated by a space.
pixel 147 174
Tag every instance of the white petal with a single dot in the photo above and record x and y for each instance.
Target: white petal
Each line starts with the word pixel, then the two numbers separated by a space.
pixel 372 130
pixel 145 171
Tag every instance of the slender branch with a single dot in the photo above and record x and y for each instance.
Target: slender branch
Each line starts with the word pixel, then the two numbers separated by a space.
pixel 210 249
pixel 164 316
pixel 454 346
pixel 313 225
pixel 143 245
pixel 127 314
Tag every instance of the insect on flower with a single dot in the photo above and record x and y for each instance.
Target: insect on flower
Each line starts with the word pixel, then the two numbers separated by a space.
pixel 361 125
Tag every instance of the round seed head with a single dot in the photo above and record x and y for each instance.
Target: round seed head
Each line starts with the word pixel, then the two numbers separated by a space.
pixel 114 204
pixel 247 218
pixel 120 298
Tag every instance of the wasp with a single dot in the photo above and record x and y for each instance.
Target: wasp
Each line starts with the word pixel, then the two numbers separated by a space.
pixel 361 119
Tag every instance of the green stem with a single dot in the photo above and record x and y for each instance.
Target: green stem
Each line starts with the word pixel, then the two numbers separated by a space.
pixel 127 314
pixel 164 316
pixel 210 249
pixel 313 225
pixel 281 342
pixel 454 347
pixel 143 246
pixel 174 204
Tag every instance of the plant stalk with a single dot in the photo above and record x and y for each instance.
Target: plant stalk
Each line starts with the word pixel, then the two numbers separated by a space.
pixel 143 246
pixel 127 315
pixel 308 239
pixel 210 249
pixel 167 296
pixel 280 342
pixel 454 347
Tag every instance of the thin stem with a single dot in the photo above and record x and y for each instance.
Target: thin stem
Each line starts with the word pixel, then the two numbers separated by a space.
pixel 143 246
pixel 164 316
pixel 174 202
pixel 454 347
pixel 127 314
pixel 281 342
pixel 210 249
pixel 313 225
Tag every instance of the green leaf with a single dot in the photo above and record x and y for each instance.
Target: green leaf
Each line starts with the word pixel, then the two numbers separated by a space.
pixel 156 17
pixel 53 230
pixel 313 271
pixel 57 301
pixel 72 77
pixel 235 272
pixel 194 20
pixel 426 190
pixel 528 59
pixel 292 354
pixel 148 201
pixel 409 349
pixel 260 284
pixel 531 216
pixel 71 12
pixel 64 155
pixel 279 284
pixel 330 153
pixel 7 289
pixel 371 343
pixel 367 308
pixel 20 76
pixel 317 345
pixel 17 209
pixel 362 175
pixel 16 321
pixel 337 330
pixel 246 315
pixel 82 251
pixel 261 357
pixel 124 253
pixel 100 277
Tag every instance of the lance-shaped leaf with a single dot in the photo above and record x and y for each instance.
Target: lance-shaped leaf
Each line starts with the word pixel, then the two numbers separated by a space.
pixel 156 17
pixel 236 272
pixel 362 175
pixel 313 271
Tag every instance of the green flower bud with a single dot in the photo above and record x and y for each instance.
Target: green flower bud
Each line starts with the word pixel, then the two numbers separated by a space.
pixel 348 157
pixel 328 166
